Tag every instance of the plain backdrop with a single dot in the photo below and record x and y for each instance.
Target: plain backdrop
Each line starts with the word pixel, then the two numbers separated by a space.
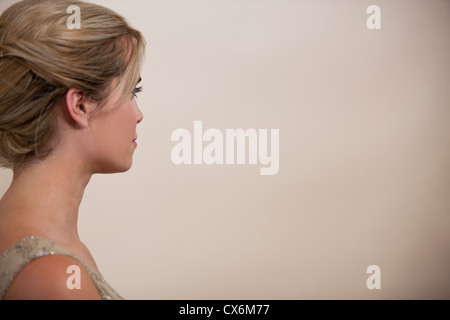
pixel 364 177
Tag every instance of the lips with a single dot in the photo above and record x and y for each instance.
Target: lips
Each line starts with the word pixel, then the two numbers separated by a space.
pixel 134 141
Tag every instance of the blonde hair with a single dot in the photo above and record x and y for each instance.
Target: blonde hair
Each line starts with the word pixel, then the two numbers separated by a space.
pixel 41 58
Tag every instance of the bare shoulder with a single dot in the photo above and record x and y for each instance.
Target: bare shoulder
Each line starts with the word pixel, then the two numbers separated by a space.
pixel 53 278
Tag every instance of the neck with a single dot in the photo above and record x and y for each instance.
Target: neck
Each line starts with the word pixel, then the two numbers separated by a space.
pixel 45 197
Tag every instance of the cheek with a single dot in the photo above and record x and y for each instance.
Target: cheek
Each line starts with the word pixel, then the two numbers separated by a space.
pixel 119 125
pixel 126 125
pixel 112 147
pixel 112 133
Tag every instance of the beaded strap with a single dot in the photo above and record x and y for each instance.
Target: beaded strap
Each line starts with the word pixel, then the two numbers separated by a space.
pixel 31 248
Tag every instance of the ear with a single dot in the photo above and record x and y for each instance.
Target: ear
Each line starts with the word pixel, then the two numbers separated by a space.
pixel 78 107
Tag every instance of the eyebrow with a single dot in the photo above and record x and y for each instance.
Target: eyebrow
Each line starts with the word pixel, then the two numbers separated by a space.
pixel 140 79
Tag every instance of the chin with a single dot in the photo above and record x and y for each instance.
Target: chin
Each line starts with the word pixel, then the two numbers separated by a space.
pixel 123 168
pixel 114 167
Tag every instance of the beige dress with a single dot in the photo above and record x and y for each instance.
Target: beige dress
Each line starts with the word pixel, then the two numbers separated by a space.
pixel 31 248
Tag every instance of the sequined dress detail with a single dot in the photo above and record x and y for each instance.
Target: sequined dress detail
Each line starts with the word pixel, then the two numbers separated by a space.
pixel 33 247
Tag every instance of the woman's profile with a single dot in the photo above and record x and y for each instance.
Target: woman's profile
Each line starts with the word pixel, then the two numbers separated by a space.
pixel 67 112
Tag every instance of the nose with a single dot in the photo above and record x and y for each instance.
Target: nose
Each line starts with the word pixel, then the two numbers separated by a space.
pixel 139 115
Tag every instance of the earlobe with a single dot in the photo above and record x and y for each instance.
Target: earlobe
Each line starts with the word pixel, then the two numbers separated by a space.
pixel 76 105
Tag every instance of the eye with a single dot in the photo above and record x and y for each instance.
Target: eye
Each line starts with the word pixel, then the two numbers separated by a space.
pixel 136 91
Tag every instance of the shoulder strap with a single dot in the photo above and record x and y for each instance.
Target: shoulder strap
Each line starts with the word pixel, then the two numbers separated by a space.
pixel 31 248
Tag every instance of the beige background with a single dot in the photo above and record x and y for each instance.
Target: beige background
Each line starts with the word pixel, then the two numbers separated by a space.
pixel 364 119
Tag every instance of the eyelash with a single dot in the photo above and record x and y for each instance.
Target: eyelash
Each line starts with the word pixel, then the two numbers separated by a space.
pixel 136 91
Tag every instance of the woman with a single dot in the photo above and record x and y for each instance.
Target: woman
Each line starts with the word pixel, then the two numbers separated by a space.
pixel 67 111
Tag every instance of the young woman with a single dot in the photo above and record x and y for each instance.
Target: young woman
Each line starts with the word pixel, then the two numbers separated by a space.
pixel 67 111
